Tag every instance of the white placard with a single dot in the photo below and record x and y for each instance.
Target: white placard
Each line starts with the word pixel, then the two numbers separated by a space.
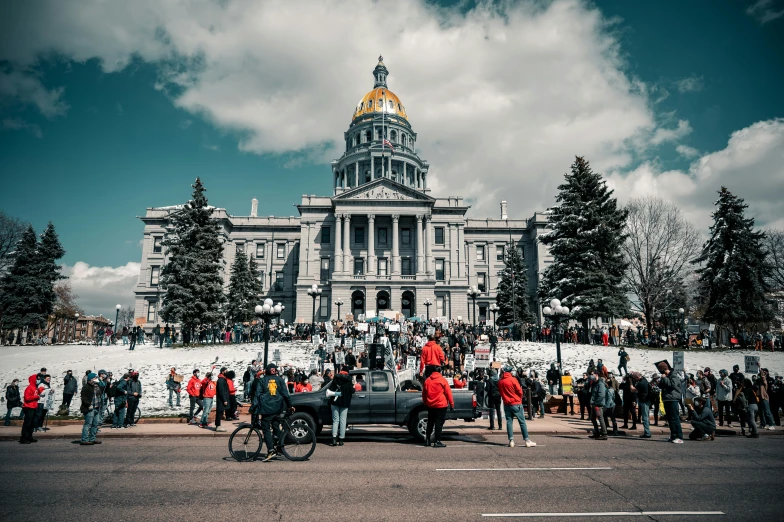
pixel 369 338
pixel 410 362
pixel 328 327
pixel 394 327
pixel 752 363
pixel 431 330
pixel 314 362
pixel 360 346
pixel 276 355
pixel 340 358
pixel 372 330
pixel 711 327
pixel 677 361
pixel 482 356
pixel 362 327
pixel 330 347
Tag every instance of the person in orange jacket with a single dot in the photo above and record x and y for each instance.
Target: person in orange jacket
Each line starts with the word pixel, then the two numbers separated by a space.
pixel 432 355
pixel 29 407
pixel 194 394
pixel 512 395
pixel 436 394
pixel 208 387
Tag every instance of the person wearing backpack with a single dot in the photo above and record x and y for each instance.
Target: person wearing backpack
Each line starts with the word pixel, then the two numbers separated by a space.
pixel 598 391
pixel 493 399
pixel 609 408
pixel 119 392
pixel 133 397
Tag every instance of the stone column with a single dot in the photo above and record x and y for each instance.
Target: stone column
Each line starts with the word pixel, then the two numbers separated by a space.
pixel 347 243
pixel 428 245
pixel 420 264
pixel 371 244
pixel 395 248
pixel 389 167
pixel 338 247
pixel 356 173
pixel 469 263
pixel 460 251
pixel 453 251
pixel 372 168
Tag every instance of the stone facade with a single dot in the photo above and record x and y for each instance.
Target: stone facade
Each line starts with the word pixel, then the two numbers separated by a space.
pixel 380 242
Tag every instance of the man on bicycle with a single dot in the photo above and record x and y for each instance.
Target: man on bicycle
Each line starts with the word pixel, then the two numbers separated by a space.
pixel 272 398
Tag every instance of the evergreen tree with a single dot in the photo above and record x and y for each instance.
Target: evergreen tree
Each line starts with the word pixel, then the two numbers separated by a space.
pixel 20 296
pixel 512 291
pixel 585 242
pixel 192 279
pixel 244 289
pixel 734 274
pixel 49 251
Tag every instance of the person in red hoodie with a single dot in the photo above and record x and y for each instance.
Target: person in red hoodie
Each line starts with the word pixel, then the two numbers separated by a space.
pixel 194 394
pixel 432 355
pixel 208 397
pixel 29 408
pixel 512 395
pixel 436 394
pixel 459 381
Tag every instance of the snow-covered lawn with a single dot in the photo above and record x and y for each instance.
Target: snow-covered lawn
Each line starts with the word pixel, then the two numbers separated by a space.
pixel 153 363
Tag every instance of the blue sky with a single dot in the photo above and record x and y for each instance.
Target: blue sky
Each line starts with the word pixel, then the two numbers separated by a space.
pixel 94 127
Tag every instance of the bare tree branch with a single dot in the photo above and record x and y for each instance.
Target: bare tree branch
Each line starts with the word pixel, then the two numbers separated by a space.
pixel 774 246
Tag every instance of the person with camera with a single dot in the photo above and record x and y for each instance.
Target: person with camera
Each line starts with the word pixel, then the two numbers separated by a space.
pixel 273 397
pixel 512 396
pixel 436 395
pixel 69 389
pixel 702 420
pixel 339 393
pixel 120 394
pixel 670 385
pixel 92 408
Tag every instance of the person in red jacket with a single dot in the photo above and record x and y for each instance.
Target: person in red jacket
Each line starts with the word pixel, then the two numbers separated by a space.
pixel 459 382
pixel 194 394
pixel 436 394
pixel 512 395
pixel 208 397
pixel 432 355
pixel 29 407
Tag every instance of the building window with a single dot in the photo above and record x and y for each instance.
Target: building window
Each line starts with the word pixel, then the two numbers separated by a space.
pixel 382 236
pixel 370 104
pixel 324 268
pixel 382 266
pixel 481 281
pixel 405 235
pixel 152 308
pixel 499 252
pixel 359 235
pixel 480 252
pixel 279 280
pixel 261 279
pixel 155 272
pixel 483 313
pixel 281 252
pixel 240 248
pixel 260 250
pixel 323 306
pixel 439 235
pixel 406 265
pixel 440 306
pixel 157 248
pixel 359 266
pixel 521 251
pixel 324 235
pixel 439 269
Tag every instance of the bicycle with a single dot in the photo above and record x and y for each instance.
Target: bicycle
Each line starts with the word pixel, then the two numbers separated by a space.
pixel 296 441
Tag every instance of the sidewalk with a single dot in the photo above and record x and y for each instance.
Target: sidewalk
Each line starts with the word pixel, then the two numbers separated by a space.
pixel 553 424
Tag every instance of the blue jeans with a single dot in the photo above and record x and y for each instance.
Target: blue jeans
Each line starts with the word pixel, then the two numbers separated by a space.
pixel 172 393
pixel 339 416
pixel 766 417
pixel 207 407
pixel 510 412
pixel 645 416
pixel 125 339
pixel 673 420
pixel 91 421
pixel 118 418
pixel 751 411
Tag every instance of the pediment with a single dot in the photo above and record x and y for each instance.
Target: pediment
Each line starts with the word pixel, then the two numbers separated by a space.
pixel 383 190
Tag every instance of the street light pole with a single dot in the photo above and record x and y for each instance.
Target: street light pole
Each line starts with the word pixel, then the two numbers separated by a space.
pixel 266 313
pixel 557 313
pixel 428 302
pixel 76 321
pixel 473 293
pixel 314 291
pixel 339 303
pixel 116 320
pixel 494 309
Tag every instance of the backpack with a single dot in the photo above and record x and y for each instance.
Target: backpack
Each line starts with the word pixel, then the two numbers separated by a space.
pixel 609 398
pixel 112 391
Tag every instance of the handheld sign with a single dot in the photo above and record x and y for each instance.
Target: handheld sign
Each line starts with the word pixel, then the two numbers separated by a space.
pixel 751 362
pixel 482 356
pixel 410 362
pixel 677 361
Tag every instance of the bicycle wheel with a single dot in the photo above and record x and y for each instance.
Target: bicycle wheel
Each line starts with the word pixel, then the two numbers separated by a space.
pixel 137 416
pixel 298 441
pixel 245 443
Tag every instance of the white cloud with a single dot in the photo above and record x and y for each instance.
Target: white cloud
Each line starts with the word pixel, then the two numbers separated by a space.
pixel 690 84
pixel 662 135
pixel 19 124
pixel 502 98
pixel 26 88
pixel 751 166
pixel 765 11
pixel 687 152
pixel 101 288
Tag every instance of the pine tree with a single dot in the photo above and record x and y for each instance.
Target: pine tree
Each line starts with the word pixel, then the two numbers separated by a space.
pixel 192 279
pixel 244 292
pixel 20 295
pixel 512 291
pixel 49 251
pixel 733 277
pixel 585 242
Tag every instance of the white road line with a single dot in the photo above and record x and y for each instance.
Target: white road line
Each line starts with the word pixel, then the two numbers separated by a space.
pixel 480 445
pixel 518 469
pixel 605 514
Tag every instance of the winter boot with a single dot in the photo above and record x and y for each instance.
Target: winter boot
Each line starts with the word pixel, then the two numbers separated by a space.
pixel 340 442
pixel 334 442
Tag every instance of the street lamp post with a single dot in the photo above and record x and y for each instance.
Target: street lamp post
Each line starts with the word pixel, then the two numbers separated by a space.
pixel 116 320
pixel 339 303
pixel 557 313
pixel 266 313
pixel 683 326
pixel 428 303
pixel 314 291
pixel 473 293
pixel 76 321
pixel 494 310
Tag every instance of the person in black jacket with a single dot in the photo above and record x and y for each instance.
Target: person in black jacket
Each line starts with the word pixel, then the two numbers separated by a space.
pixel 339 394
pixel 69 389
pixel 12 400
pixel 222 399
pixel 493 399
pixel 629 401
pixel 272 399
pixel 553 378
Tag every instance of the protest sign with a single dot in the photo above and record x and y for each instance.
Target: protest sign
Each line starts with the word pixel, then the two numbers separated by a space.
pixel 566 384
pixel 394 327
pixel 752 363
pixel 410 362
pixel 677 361
pixel 482 356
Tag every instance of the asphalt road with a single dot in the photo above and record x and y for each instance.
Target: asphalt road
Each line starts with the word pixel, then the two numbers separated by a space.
pixel 388 477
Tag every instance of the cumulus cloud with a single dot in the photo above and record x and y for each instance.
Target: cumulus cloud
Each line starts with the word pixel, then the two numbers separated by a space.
pixel 101 288
pixel 751 166
pixel 502 96
pixel 687 152
pixel 662 134
pixel 765 11
pixel 26 88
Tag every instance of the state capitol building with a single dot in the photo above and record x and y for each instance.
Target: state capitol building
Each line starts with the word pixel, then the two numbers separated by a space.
pixel 379 242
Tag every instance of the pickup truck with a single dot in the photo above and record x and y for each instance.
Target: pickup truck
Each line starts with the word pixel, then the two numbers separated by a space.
pixel 382 400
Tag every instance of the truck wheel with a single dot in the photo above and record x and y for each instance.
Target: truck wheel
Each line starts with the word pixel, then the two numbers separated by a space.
pixel 299 418
pixel 417 425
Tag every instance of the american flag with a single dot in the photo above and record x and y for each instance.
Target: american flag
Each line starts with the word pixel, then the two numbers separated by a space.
pixel 387 143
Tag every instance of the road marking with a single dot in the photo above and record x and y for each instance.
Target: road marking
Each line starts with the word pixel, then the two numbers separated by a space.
pixel 518 469
pixel 605 514
pixel 479 444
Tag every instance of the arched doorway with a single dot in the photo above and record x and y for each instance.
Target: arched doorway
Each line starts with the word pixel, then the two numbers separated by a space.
pixel 382 301
pixel 408 304
pixel 357 303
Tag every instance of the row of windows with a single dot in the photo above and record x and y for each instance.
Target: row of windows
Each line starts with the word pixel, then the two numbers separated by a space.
pixel 280 248
pixel 382 235
pixel 394 136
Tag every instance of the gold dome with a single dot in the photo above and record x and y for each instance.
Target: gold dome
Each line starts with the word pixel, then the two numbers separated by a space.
pixel 378 100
